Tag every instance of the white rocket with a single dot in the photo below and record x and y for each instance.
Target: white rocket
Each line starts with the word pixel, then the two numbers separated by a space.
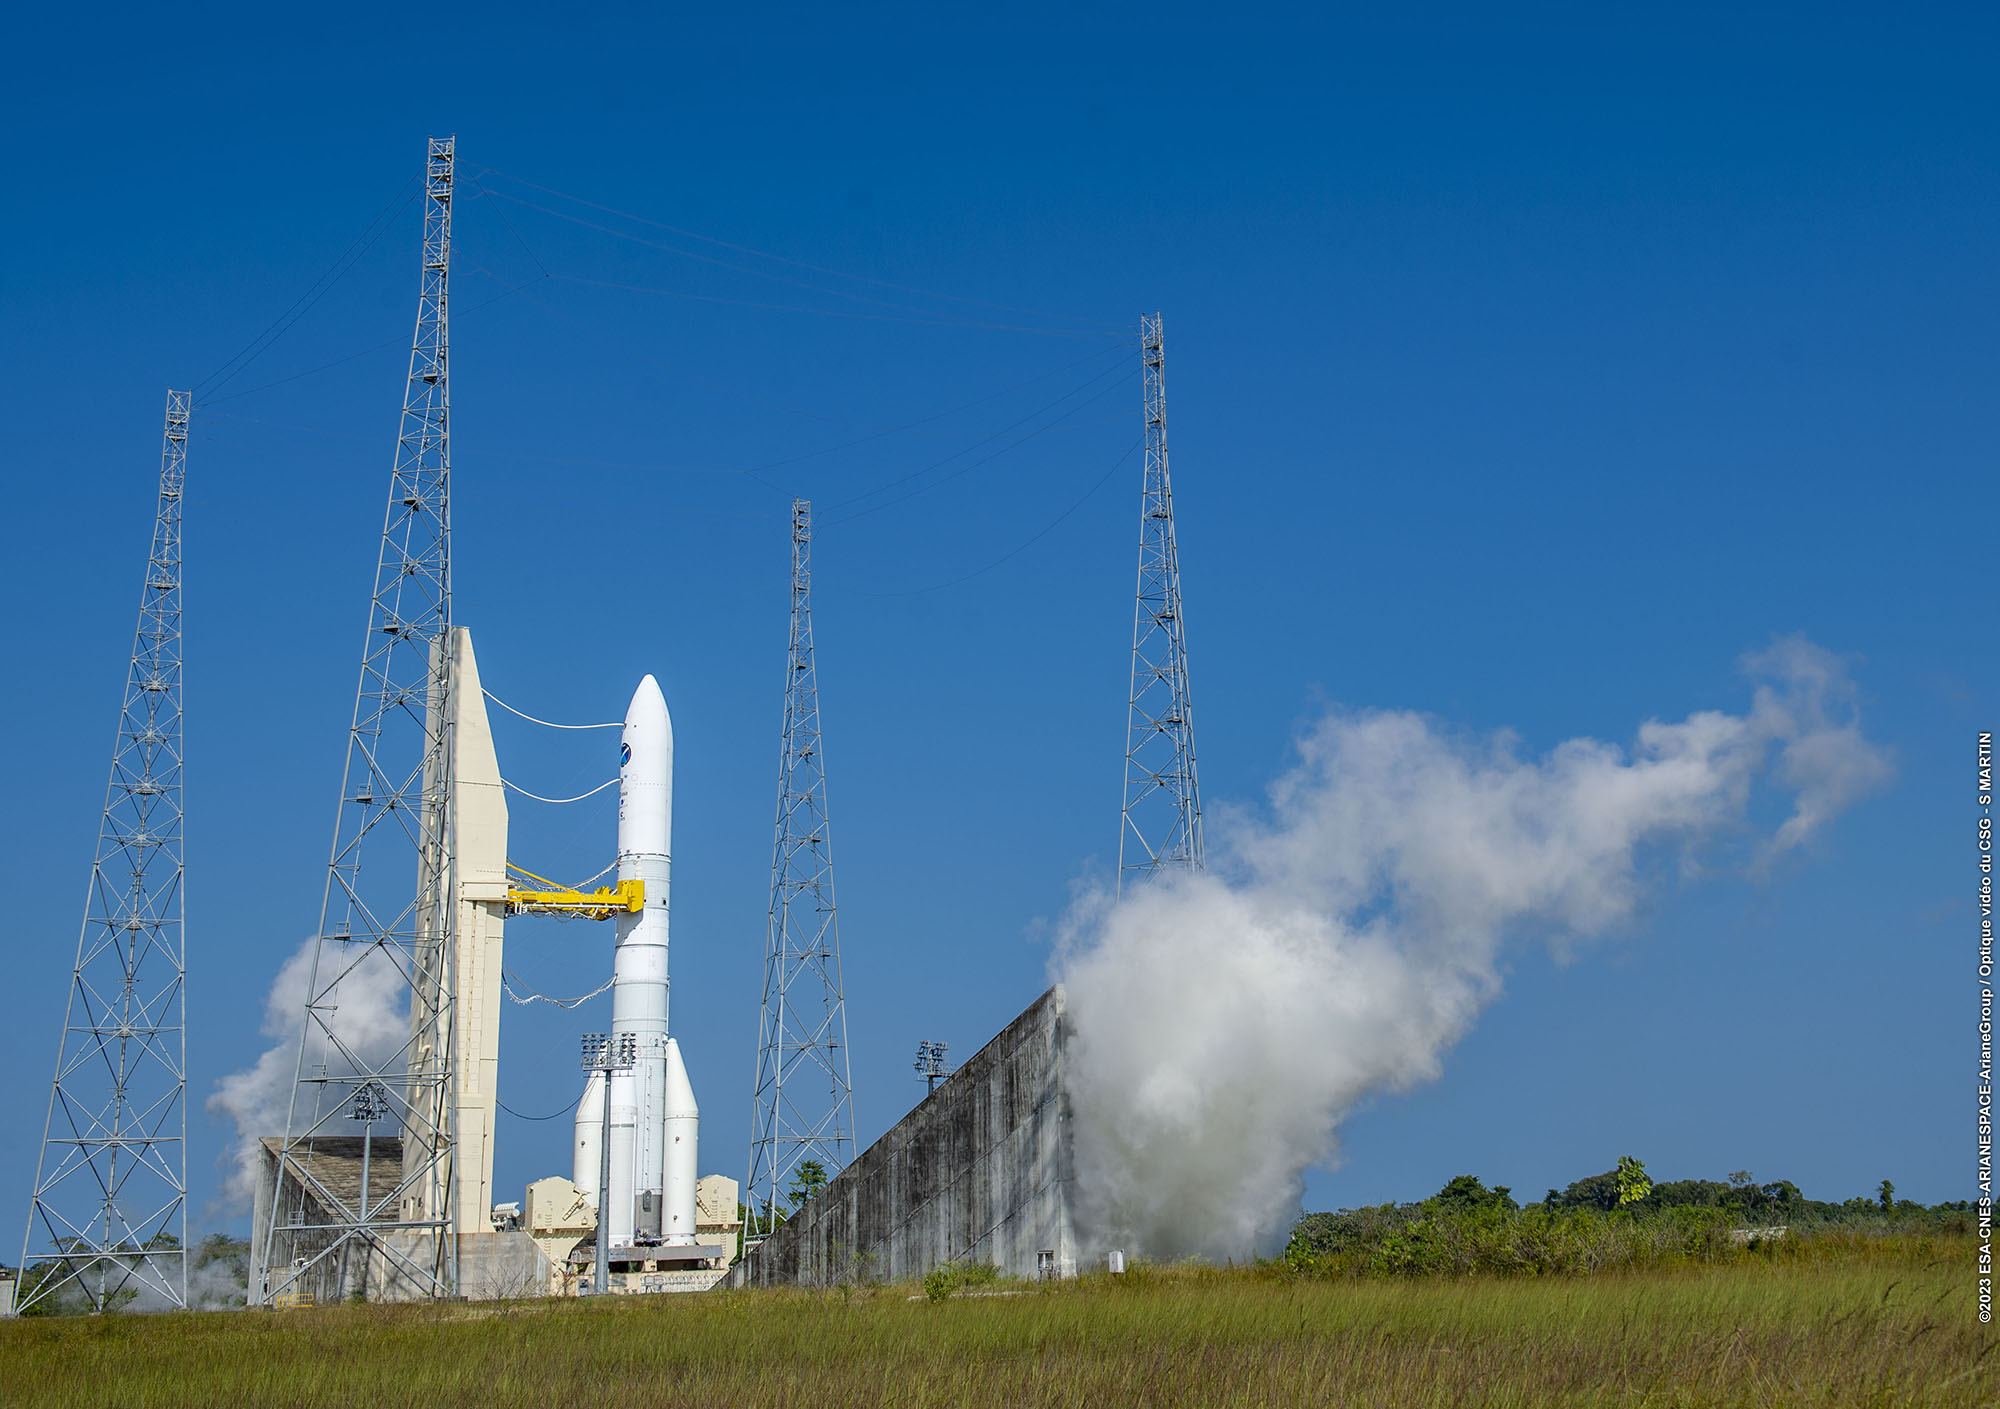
pixel 654 1118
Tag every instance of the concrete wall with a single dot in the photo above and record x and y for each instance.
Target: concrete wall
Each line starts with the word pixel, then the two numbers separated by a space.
pixel 502 1267
pixel 980 1172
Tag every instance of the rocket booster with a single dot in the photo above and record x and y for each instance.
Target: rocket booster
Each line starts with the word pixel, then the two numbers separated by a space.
pixel 654 1118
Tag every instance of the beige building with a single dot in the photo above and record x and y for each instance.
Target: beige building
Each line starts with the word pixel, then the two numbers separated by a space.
pixel 562 1221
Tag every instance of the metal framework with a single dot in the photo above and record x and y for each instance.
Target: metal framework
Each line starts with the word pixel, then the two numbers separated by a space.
pixel 804 1104
pixel 110 1200
pixel 608 1055
pixel 931 1064
pixel 394 801
pixel 1162 823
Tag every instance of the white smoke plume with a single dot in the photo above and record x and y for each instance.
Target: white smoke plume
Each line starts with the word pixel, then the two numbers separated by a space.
pixel 217 1280
pixel 1226 1024
pixel 372 1020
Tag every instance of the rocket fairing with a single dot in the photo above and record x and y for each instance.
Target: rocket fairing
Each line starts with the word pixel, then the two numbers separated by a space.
pixel 653 1113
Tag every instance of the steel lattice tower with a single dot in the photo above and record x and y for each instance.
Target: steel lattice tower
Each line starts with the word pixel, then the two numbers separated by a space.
pixel 1162 825
pixel 393 801
pixel 110 1200
pixel 804 1106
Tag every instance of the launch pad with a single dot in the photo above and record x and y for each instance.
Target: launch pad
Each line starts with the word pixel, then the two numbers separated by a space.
pixel 636 1130
pixel 981 1170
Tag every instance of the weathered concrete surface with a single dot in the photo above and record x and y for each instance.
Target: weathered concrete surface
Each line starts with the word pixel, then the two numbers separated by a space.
pixel 491 1266
pixel 327 1175
pixel 982 1171
pixel 497 1266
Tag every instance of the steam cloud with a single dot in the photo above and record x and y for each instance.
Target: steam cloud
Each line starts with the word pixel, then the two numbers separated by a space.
pixel 1226 1024
pixel 372 1021
pixel 217 1285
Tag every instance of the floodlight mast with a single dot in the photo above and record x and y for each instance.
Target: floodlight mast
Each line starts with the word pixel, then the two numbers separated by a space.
pixel 607 1055
pixel 930 1064
pixel 110 1193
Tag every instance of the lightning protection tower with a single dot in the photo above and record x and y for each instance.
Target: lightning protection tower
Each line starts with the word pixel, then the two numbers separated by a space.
pixel 385 945
pixel 804 1106
pixel 1162 824
pixel 110 1204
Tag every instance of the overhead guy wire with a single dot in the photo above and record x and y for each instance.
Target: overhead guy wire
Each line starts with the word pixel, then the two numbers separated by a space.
pixel 366 351
pixel 1106 324
pixel 1039 535
pixel 318 289
pixel 919 321
pixel 482 191
pixel 739 470
pixel 707 258
pixel 752 471
pixel 1112 386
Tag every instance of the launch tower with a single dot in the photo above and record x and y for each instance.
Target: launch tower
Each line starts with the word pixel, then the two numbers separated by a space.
pixel 1162 824
pixel 375 928
pixel 804 1104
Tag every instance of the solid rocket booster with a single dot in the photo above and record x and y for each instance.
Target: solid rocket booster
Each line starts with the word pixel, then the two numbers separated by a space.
pixel 654 1118
pixel 585 1170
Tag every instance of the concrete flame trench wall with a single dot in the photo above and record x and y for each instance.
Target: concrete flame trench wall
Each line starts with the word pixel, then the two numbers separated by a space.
pixel 982 1171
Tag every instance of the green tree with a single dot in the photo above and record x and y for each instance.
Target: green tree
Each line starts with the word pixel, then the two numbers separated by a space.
pixel 1633 1185
pixel 807 1180
pixel 1780 1202
pixel 1886 1195
pixel 1691 1193
pixel 1467 1194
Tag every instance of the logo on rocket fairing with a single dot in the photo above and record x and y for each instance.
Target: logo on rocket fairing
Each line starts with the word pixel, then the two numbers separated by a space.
pixel 624 754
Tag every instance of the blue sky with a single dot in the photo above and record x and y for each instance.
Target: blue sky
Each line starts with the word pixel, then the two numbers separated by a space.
pixel 1523 372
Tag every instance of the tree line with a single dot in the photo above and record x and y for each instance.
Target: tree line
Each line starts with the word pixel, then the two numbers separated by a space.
pixel 1620 1217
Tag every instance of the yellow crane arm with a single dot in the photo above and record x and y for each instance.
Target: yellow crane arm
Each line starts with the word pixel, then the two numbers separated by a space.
pixel 626 897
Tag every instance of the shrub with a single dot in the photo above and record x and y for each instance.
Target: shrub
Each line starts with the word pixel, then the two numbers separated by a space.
pixel 1432 1240
pixel 941 1281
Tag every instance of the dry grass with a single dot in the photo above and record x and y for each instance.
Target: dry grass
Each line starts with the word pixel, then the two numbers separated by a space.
pixel 1829 1322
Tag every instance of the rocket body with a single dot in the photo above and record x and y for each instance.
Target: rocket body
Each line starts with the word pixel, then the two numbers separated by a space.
pixel 653 1113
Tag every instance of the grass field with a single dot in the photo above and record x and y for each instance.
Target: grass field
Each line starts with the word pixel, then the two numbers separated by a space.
pixel 1857 1321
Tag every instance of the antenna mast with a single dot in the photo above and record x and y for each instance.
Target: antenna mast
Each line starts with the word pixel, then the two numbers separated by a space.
pixel 380 934
pixel 110 1201
pixel 1162 824
pixel 804 1106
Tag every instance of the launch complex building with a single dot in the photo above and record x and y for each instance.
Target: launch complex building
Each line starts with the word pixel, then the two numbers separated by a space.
pixel 980 1171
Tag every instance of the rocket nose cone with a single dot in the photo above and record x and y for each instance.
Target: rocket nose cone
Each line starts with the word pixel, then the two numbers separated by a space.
pixel 649 702
pixel 679 1091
